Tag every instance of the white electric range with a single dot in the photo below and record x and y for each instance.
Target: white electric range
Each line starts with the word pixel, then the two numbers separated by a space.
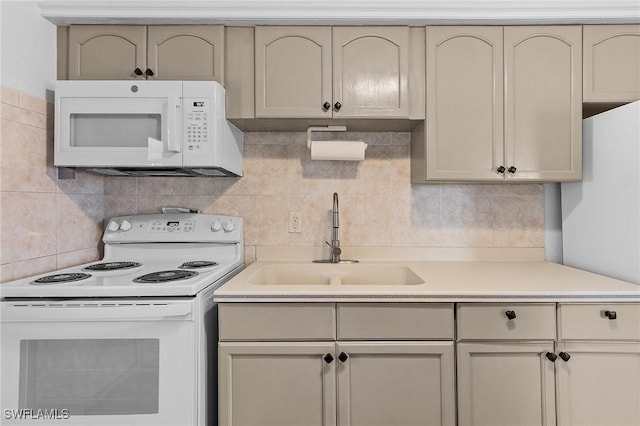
pixel 128 340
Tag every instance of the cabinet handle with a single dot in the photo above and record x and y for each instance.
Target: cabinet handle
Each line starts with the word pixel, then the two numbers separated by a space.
pixel 343 357
pixel 148 72
pixel 337 106
pixel 328 358
pixel 565 356
pixel 551 356
pixel 501 169
pixel 511 169
pixel 137 71
pixel 510 314
pixel 326 106
pixel 611 315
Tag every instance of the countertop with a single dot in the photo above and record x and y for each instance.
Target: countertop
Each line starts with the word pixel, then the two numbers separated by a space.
pixel 444 281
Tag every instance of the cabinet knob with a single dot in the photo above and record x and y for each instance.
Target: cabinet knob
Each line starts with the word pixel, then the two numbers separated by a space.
pixel 510 314
pixel 343 357
pixel 328 358
pixel 326 106
pixel 511 169
pixel 337 106
pixel 551 356
pixel 501 169
pixel 148 72
pixel 137 71
pixel 611 315
pixel 565 356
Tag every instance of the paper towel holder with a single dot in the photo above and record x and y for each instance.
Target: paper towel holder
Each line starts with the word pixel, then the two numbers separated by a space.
pixel 323 129
pixel 340 150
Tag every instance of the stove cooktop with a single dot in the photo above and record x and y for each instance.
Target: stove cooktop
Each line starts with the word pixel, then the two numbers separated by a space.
pixel 166 255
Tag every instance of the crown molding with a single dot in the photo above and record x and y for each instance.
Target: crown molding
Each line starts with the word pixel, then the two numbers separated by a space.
pixel 341 12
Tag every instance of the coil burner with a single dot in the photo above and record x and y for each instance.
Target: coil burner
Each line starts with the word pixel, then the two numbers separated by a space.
pixel 61 278
pixel 112 266
pixel 165 276
pixel 196 264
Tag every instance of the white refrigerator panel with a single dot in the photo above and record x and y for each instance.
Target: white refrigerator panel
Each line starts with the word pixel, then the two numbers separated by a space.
pixel 601 214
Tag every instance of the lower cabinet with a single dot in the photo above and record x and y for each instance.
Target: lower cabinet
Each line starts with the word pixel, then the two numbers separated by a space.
pixel 323 383
pixel 505 383
pixel 570 364
pixel 277 384
pixel 395 383
pixel 346 364
pixel 395 364
pixel 598 384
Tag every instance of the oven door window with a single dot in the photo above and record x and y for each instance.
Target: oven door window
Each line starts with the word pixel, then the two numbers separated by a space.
pixel 90 376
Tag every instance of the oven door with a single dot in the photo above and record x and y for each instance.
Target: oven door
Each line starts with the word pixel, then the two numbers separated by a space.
pixel 118 124
pixel 91 363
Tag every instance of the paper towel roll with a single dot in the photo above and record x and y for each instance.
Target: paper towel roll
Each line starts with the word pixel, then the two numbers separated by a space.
pixel 338 150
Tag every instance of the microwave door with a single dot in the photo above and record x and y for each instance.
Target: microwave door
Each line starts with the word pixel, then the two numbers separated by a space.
pixel 118 132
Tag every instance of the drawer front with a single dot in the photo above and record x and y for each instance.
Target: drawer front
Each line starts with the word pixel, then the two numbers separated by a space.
pixel 601 321
pixel 276 321
pixel 395 321
pixel 491 321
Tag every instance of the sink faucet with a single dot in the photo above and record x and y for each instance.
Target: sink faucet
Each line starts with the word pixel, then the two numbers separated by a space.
pixel 336 251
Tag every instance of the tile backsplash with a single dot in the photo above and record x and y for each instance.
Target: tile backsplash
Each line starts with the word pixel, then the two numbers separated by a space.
pixel 45 223
pixel 378 205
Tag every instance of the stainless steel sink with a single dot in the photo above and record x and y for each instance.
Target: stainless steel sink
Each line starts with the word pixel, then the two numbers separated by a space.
pixel 334 274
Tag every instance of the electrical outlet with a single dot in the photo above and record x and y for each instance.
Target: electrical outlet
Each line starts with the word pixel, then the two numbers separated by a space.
pixel 295 222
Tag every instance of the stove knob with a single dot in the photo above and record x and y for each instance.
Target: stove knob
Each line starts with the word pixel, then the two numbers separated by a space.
pixel 113 226
pixel 216 226
pixel 229 226
pixel 125 225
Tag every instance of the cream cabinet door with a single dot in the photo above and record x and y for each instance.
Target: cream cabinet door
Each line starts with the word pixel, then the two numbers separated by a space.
pixel 395 383
pixel 611 63
pixel 293 72
pixel 505 384
pixel 276 384
pixel 186 52
pixel 599 385
pixel 370 72
pixel 107 52
pixel 543 102
pixel 464 103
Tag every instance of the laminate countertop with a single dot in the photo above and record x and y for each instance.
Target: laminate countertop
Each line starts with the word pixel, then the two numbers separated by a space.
pixel 424 281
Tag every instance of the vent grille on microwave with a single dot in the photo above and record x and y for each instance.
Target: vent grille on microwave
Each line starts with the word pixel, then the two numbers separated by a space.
pixel 157 171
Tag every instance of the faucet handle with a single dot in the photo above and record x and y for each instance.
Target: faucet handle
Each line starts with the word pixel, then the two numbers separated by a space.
pixel 334 249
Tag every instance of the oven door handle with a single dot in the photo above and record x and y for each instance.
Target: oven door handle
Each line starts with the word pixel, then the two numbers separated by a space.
pixel 96 312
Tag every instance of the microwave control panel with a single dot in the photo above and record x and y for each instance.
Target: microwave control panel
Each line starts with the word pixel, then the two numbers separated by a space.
pixel 196 124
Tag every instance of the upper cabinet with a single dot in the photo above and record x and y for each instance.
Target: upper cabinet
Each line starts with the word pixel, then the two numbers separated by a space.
pixel 293 72
pixel 611 63
pixel 119 52
pixel 503 104
pixel 464 103
pixel 107 52
pixel 543 103
pixel 370 71
pixel 332 72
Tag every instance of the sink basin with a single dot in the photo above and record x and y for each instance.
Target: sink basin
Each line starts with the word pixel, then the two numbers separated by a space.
pixel 334 274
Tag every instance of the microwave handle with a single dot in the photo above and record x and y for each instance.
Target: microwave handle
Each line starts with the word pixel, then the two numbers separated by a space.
pixel 173 109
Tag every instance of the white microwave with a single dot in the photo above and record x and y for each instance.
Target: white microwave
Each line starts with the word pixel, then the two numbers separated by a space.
pixel 145 128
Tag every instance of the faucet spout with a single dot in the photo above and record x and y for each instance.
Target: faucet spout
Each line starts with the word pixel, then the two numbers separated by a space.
pixel 336 251
pixel 335 215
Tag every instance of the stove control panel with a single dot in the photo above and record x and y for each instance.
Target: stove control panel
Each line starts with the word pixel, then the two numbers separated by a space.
pixel 174 227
